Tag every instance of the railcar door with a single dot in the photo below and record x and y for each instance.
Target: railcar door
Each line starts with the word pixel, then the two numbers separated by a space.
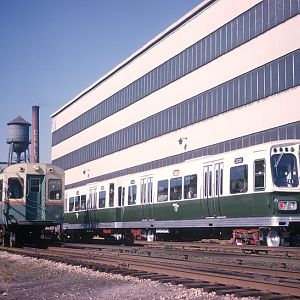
pixel 121 201
pixel 35 198
pixel 91 211
pixel 213 188
pixel 146 198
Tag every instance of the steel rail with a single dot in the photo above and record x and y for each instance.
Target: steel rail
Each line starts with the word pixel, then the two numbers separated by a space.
pixel 172 269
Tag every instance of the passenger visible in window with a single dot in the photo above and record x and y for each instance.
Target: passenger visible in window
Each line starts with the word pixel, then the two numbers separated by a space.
pixel 162 197
pixel 190 193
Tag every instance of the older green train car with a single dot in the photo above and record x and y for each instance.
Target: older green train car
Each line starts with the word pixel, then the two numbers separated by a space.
pixel 251 194
pixel 31 199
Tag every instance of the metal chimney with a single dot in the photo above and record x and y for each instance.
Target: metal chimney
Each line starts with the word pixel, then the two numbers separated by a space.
pixel 35 149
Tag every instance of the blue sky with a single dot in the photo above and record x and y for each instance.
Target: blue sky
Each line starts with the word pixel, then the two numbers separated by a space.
pixel 51 50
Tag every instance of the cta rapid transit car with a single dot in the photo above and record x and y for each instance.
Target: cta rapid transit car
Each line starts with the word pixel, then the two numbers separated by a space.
pixel 251 194
pixel 31 199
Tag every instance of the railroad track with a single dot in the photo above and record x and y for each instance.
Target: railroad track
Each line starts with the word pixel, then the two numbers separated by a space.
pixel 222 278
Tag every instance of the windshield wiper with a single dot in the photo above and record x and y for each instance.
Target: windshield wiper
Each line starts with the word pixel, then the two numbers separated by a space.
pixel 279 158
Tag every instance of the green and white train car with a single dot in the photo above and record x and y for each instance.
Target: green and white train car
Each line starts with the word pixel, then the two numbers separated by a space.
pixel 251 194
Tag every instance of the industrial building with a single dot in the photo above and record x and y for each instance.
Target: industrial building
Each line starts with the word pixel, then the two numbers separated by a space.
pixel 225 76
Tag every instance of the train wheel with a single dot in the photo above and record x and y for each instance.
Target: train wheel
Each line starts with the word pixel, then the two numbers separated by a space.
pixel 273 238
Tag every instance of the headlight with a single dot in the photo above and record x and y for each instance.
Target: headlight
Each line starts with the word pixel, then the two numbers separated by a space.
pixel 287 205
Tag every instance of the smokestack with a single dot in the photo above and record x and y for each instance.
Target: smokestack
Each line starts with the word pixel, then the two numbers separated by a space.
pixel 35 149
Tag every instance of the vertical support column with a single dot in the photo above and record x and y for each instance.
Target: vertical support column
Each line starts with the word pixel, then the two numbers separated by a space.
pixel 35 155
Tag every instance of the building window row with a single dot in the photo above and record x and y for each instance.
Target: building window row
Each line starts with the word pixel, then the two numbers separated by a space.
pixel 269 79
pixel 260 18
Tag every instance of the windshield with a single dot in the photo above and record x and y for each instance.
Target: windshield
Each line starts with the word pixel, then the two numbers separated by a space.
pixel 285 170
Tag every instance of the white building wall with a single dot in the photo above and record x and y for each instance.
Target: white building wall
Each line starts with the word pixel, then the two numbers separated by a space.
pixel 273 111
pixel 188 34
pixel 265 48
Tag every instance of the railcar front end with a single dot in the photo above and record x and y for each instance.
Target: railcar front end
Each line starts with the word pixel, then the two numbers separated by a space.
pixel 31 199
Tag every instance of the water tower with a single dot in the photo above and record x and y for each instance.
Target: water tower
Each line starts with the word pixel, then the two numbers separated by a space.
pixel 18 139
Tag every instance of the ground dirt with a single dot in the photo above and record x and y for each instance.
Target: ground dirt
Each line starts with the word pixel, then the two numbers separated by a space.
pixel 29 278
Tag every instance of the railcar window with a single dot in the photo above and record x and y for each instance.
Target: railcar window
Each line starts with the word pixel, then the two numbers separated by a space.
pixel 285 170
pixel 190 186
pixel 132 195
pixel 71 204
pixel 77 203
pixel 162 190
pixel 221 182
pixel 259 174
pixel 176 188
pixel 239 179
pixel 34 185
pixel 205 184
pixel 92 201
pixel 111 194
pixel 1 190
pixel 83 202
pixel 210 184
pixel 55 189
pixel 15 188
pixel 102 196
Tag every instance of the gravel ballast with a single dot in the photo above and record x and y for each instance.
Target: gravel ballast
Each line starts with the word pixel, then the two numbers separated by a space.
pixel 30 278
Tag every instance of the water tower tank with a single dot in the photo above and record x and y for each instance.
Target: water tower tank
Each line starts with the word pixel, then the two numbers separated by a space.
pixel 18 135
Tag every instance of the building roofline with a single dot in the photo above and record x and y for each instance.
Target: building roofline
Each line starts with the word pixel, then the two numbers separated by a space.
pixel 168 31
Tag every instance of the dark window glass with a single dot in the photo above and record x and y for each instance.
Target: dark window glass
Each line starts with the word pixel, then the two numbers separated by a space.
pixel 225 105
pixel 176 188
pixel 252 23
pixel 294 7
pixel 132 195
pixel 223 40
pixel 254 85
pixel 289 71
pixel 218 42
pixel 242 90
pixel 162 190
pixel 111 194
pixel 267 80
pixel 214 96
pixel 71 204
pixel 83 202
pixel 239 179
pixel 55 189
pixel 234 31
pixel 240 32
pixel 274 77
pixel 228 28
pixel 259 174
pixel 280 10
pixel 272 13
pixel 285 170
pixel 212 54
pixel 258 19
pixel 102 196
pixel 246 26
pixel 77 203
pixel 16 188
pixel 190 186
pixel 261 83
pixel 235 93
pixel 248 87
pixel 209 101
pixel 297 68
pixel 265 15
pixel 281 73
pixel 286 9
pixel 230 94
